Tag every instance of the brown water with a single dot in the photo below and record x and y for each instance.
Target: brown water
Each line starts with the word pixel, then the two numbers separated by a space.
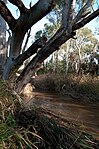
pixel 87 115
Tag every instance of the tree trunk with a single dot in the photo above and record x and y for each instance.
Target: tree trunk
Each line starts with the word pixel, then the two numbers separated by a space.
pixel 51 46
pixel 15 48
pixel 28 17
pixel 56 62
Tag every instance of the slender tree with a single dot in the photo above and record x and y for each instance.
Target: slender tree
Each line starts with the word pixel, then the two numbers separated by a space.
pixel 85 44
pixel 70 22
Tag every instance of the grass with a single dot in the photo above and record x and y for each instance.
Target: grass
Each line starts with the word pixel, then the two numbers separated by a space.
pixel 36 128
pixel 52 134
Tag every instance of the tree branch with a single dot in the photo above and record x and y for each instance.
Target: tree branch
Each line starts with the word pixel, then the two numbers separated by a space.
pixel 67 14
pixel 86 20
pixel 71 15
pixel 9 38
pixel 38 11
pixel 6 14
pixel 20 5
pixel 27 39
pixel 60 37
pixel 52 45
pixel 82 13
pixel 31 50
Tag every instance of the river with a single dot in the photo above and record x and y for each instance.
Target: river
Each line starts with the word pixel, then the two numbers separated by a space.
pixel 84 114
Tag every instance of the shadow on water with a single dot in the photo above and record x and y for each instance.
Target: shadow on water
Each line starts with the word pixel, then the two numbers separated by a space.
pixel 86 115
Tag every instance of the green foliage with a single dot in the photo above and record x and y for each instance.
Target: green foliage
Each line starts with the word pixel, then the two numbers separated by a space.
pixel 79 50
pixel 11 135
pixel 54 18
pixel 38 34
pixel 7 129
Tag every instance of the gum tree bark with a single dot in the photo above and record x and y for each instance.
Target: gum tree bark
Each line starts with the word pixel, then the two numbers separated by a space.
pixel 19 27
pixel 28 17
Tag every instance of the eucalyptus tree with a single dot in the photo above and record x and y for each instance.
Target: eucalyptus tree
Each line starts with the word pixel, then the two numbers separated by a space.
pixel 50 28
pixel 71 20
pixel 84 45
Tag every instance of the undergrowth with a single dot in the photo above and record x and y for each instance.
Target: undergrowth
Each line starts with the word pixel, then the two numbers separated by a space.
pixel 73 85
pixel 36 128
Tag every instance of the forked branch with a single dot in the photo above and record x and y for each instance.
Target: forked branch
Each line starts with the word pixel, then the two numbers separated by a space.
pixel 20 5
pixel 86 20
pixel 6 14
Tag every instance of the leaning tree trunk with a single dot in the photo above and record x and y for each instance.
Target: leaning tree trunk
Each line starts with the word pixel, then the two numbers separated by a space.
pixel 28 17
pixel 47 50
pixel 65 32
pixel 19 27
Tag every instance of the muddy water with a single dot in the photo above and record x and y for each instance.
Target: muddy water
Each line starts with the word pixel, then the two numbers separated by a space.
pixel 87 115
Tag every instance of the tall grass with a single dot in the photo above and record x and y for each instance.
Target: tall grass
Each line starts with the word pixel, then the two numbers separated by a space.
pixel 11 135
pixel 36 128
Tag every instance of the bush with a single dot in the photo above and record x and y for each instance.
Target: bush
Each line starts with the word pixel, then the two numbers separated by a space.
pixel 73 85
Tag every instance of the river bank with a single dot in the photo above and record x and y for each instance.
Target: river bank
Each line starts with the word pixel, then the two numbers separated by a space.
pixel 37 128
pixel 83 87
pixel 85 115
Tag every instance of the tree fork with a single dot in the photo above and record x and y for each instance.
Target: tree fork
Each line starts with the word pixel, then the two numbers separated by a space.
pixel 6 14
pixel 20 5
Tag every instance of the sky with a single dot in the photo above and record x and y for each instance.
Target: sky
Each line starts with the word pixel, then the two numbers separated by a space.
pixel 39 25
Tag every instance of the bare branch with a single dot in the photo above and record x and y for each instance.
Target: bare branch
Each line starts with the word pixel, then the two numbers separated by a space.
pixel 20 5
pixel 9 38
pixel 31 50
pixel 38 11
pixel 27 39
pixel 71 15
pixel 68 13
pixel 83 11
pixel 86 20
pixel 33 15
pixel 52 45
pixel 6 14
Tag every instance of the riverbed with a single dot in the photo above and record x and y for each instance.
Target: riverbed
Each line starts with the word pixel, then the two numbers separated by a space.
pixel 84 114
